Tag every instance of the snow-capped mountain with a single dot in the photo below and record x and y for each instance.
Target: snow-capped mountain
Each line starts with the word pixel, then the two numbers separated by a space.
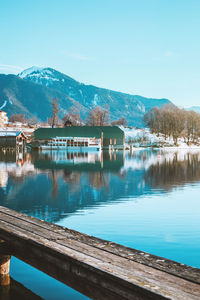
pixel 32 91
pixel 194 108
pixel 45 76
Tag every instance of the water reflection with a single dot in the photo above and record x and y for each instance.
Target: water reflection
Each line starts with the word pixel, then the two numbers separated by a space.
pixel 129 198
pixel 53 184
pixel 174 169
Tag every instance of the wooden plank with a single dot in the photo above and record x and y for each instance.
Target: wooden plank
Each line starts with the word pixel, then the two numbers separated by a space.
pixel 67 267
pixel 72 244
pixel 169 266
pixel 89 268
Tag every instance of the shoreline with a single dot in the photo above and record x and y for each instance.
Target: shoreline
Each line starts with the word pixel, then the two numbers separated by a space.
pixel 165 148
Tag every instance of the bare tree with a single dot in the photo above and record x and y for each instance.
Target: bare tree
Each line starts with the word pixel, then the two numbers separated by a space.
pixel 73 118
pixel 150 119
pixel 119 122
pixel 32 121
pixel 99 116
pixel 17 118
pixel 55 110
pixel 174 122
pixel 192 126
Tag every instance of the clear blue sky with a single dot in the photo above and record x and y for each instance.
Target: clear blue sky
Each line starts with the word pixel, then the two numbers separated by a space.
pixel 144 47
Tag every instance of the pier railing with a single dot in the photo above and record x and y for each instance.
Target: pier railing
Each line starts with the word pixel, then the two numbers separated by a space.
pixel 97 268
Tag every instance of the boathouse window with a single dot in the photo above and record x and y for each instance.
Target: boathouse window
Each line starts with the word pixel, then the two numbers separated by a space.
pixel 110 141
pixel 115 141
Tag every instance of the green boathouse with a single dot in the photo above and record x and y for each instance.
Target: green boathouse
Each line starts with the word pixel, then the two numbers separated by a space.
pixel 102 137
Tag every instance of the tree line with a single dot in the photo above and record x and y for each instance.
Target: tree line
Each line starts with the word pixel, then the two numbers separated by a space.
pixel 98 116
pixel 174 122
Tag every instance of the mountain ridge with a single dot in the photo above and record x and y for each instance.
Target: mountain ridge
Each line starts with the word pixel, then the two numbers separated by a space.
pixel 32 91
pixel 194 108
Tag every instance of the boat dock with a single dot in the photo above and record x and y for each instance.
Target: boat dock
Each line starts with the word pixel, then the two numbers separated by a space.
pixel 97 268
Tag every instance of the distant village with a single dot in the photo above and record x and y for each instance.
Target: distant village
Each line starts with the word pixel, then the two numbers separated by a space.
pixel 167 126
pixel 70 133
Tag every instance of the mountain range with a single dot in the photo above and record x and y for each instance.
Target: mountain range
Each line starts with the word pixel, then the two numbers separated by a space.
pixel 194 108
pixel 31 93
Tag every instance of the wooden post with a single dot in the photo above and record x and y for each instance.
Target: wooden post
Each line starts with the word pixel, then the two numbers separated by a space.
pixel 4 272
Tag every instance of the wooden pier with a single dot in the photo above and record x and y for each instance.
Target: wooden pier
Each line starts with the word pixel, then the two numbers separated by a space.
pixel 97 268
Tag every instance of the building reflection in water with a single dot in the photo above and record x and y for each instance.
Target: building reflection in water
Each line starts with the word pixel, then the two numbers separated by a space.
pixel 15 166
pixel 53 184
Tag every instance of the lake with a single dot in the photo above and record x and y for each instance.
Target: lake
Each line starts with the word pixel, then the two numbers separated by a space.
pixel 145 199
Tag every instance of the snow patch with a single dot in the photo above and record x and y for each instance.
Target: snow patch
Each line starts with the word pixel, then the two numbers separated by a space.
pixel 110 98
pixel 39 74
pixel 133 135
pixel 4 104
pixel 144 138
pixel 141 107
pixel 28 71
pixel 96 99
pixel 11 97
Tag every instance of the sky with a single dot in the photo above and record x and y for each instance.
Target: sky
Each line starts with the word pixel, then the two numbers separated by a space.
pixel 142 47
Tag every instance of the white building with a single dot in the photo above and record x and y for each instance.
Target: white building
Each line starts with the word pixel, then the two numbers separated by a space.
pixel 3 118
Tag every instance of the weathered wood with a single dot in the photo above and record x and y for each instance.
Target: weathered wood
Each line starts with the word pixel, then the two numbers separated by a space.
pixel 4 271
pixel 4 265
pixel 97 268
pixel 160 263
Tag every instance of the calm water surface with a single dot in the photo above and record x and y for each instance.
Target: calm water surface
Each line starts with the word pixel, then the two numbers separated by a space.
pixel 149 200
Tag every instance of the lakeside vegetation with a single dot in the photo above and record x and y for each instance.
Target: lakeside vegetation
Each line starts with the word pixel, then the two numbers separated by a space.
pixel 173 122
pixel 167 125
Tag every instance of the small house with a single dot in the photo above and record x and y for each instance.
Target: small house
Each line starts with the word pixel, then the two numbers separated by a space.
pixel 12 139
